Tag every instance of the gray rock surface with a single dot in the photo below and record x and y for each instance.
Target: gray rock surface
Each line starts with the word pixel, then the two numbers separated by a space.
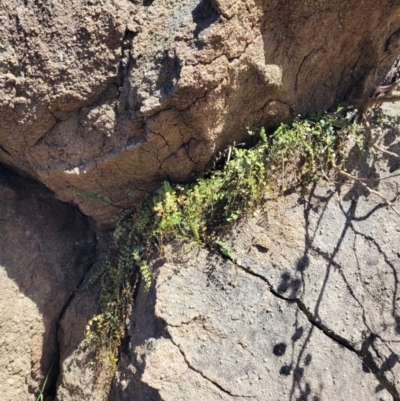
pixel 44 246
pixel 336 252
pixel 223 335
pixel 104 95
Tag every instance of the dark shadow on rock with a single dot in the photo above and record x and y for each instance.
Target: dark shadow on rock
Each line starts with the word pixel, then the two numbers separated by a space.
pixel 390 136
pixel 298 333
pixel 394 163
pixel 307 360
pixel 390 362
pixel 369 362
pixel 373 241
pixel 286 370
pixel 303 263
pixel 289 284
pixel 144 328
pixel 279 349
pixel 379 388
pixel 367 352
pixel 211 273
pixel 301 390
pixel 47 248
pixel 365 368
pixel 204 15
pixel 169 75
pixel 298 373
pixel 305 394
pixel 357 162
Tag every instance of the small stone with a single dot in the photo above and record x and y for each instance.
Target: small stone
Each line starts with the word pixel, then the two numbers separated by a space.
pixel 263 242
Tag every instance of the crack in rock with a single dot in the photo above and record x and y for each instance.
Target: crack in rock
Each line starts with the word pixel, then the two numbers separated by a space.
pixel 364 354
pixel 191 367
pixel 79 286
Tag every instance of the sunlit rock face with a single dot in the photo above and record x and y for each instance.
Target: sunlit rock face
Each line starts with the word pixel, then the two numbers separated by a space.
pixel 102 96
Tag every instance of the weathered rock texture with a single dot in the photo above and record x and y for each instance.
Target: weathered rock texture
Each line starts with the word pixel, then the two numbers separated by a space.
pixel 100 96
pixel 226 336
pixel 309 311
pixel 44 249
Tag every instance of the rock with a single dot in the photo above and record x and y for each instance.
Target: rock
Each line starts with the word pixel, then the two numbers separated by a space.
pixel 336 253
pixel 195 336
pixel 45 253
pixel 105 96
pixel 262 242
pixel 78 378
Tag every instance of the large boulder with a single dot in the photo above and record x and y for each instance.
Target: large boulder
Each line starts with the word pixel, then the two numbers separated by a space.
pixel 217 332
pixel 46 248
pixel 102 96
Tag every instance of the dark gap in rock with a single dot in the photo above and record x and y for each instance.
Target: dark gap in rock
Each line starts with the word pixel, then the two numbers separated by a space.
pixel 127 97
pixel 89 264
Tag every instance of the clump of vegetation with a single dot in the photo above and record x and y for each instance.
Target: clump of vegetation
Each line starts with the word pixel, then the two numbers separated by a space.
pixel 201 211
pixel 118 278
